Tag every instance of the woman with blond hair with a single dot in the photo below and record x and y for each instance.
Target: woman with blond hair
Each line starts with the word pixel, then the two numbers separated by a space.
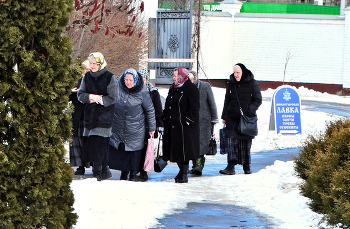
pixel 99 92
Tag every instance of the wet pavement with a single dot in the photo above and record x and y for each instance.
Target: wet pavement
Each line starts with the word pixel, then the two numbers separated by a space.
pixel 212 215
pixel 208 215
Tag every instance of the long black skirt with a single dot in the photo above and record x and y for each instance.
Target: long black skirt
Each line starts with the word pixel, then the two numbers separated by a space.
pixel 96 149
pixel 122 160
pixel 76 147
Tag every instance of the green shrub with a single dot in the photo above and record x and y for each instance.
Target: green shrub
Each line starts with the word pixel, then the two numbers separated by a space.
pixel 324 164
pixel 34 118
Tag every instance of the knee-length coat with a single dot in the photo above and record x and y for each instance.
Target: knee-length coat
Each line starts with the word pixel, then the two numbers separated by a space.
pixel 133 111
pixel 180 140
pixel 208 115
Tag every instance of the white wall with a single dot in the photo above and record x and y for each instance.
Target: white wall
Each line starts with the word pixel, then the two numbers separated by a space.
pixel 315 46
pixel 346 57
pixel 151 7
pixel 319 46
pixel 216 53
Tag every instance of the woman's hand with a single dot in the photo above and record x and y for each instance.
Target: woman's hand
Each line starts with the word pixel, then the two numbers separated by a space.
pixel 75 89
pixel 151 133
pixel 223 122
pixel 95 98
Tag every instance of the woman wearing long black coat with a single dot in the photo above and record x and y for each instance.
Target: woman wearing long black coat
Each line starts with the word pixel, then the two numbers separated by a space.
pixel 181 124
pixel 242 89
pixel 133 110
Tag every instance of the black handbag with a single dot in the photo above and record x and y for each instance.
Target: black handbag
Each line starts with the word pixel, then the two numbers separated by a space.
pixel 159 163
pixel 247 125
pixel 212 146
pixel 212 143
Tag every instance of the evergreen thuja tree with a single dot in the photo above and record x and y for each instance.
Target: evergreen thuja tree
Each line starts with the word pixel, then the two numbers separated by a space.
pixel 324 164
pixel 34 114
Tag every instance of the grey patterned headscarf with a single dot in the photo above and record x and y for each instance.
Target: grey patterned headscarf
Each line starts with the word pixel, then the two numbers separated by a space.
pixel 144 73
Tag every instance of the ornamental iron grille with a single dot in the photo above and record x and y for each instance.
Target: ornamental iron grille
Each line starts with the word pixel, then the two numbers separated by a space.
pixel 170 35
pixel 173 43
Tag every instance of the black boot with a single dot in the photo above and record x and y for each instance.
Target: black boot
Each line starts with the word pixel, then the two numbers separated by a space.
pixel 106 173
pixel 98 171
pixel 246 169
pixel 230 169
pixel 132 176
pixel 177 177
pixel 194 165
pixel 183 174
pixel 179 173
pixel 80 170
pixel 124 175
pixel 143 175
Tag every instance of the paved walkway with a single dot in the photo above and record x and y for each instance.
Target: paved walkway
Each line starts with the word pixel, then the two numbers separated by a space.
pixel 210 215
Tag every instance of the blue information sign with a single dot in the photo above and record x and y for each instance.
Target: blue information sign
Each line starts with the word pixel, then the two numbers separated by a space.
pixel 286 110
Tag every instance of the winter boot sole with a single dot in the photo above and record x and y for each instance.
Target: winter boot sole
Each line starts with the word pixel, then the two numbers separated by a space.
pixel 227 172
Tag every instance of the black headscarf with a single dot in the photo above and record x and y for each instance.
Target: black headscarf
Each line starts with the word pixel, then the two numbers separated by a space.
pixel 245 72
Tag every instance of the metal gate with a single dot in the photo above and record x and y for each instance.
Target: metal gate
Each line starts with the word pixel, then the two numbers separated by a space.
pixel 171 33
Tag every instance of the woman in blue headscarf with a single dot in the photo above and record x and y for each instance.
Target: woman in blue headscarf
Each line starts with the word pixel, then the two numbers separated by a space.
pixel 132 110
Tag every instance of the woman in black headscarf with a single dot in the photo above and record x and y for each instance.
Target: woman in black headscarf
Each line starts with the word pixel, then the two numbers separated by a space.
pixel 242 89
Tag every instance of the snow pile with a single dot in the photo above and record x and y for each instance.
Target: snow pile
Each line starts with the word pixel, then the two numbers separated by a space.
pixel 272 191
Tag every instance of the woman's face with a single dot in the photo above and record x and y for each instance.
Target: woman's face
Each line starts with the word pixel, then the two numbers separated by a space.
pixel 93 65
pixel 87 68
pixel 175 76
pixel 129 80
pixel 237 72
pixel 144 80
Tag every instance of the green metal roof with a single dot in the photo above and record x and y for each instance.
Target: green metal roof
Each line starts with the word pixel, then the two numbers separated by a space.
pixel 287 8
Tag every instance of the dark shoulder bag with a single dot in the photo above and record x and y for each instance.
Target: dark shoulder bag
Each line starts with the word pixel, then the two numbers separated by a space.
pixel 159 163
pixel 212 143
pixel 247 125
